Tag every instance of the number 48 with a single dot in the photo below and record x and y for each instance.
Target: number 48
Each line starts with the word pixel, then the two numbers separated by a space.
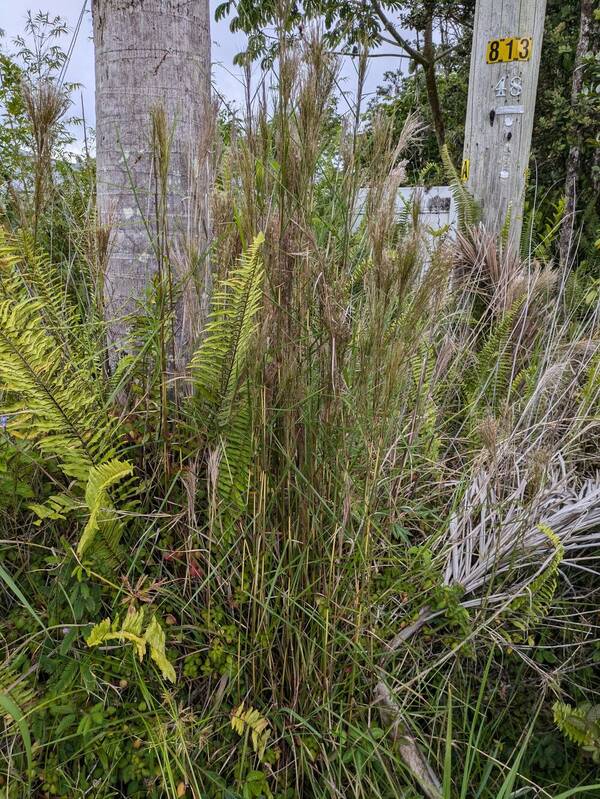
pixel 515 87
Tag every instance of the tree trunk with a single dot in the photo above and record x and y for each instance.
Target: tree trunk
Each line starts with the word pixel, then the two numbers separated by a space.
pixel 153 130
pixel 568 223
pixel 431 84
pixel 425 59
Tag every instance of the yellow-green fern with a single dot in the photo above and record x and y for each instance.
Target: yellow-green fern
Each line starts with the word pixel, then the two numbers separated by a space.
pixel 489 377
pixel 51 395
pixel 580 724
pixel 15 697
pixel 53 399
pixel 219 369
pixel 101 479
pixel 466 208
pixel 35 275
pixel 132 629
pixel 16 686
pixel 249 720
pixel 535 601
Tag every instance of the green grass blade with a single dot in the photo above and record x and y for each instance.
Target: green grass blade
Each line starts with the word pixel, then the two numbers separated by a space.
pixel 14 711
pixel 6 578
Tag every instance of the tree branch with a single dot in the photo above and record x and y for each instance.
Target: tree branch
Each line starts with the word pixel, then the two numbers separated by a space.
pixel 446 52
pixel 400 40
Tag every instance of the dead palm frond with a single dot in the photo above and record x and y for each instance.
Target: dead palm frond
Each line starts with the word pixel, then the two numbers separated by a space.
pixel 493 533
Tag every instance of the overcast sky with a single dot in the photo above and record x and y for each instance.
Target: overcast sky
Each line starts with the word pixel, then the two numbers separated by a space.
pixel 226 77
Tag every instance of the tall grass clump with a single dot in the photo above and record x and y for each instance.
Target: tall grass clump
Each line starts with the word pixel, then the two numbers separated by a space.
pixel 356 554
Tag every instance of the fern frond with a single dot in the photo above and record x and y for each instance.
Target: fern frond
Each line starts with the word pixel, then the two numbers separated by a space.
pixel 490 374
pixel 534 603
pixel 132 629
pixel 579 724
pixel 218 362
pixel 30 273
pixel 547 236
pixel 50 405
pixel 17 687
pixel 250 720
pixel 356 278
pixel 466 208
pixel 236 453
pixel 57 398
pixel 505 230
pixel 218 369
pixel 53 396
pixel 101 479
pixel 525 382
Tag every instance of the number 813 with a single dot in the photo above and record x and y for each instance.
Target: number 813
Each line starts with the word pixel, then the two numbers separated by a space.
pixel 512 48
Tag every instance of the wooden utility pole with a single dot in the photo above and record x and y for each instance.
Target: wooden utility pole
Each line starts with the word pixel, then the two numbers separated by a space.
pixel 505 60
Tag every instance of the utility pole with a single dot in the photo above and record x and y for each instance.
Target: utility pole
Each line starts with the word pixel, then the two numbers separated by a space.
pixel 505 60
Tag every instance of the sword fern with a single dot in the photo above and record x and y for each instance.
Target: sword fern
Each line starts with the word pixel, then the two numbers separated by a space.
pixel 219 368
pixel 52 398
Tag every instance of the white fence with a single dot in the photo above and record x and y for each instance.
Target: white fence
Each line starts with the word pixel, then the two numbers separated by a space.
pixel 437 211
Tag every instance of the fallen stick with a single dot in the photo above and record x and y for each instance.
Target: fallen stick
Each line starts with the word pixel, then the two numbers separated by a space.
pixel 420 769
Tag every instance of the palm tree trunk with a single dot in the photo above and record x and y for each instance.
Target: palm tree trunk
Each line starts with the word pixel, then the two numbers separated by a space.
pixel 153 131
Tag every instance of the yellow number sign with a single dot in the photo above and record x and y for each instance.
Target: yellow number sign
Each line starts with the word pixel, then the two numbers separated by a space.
pixel 512 48
pixel 464 172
